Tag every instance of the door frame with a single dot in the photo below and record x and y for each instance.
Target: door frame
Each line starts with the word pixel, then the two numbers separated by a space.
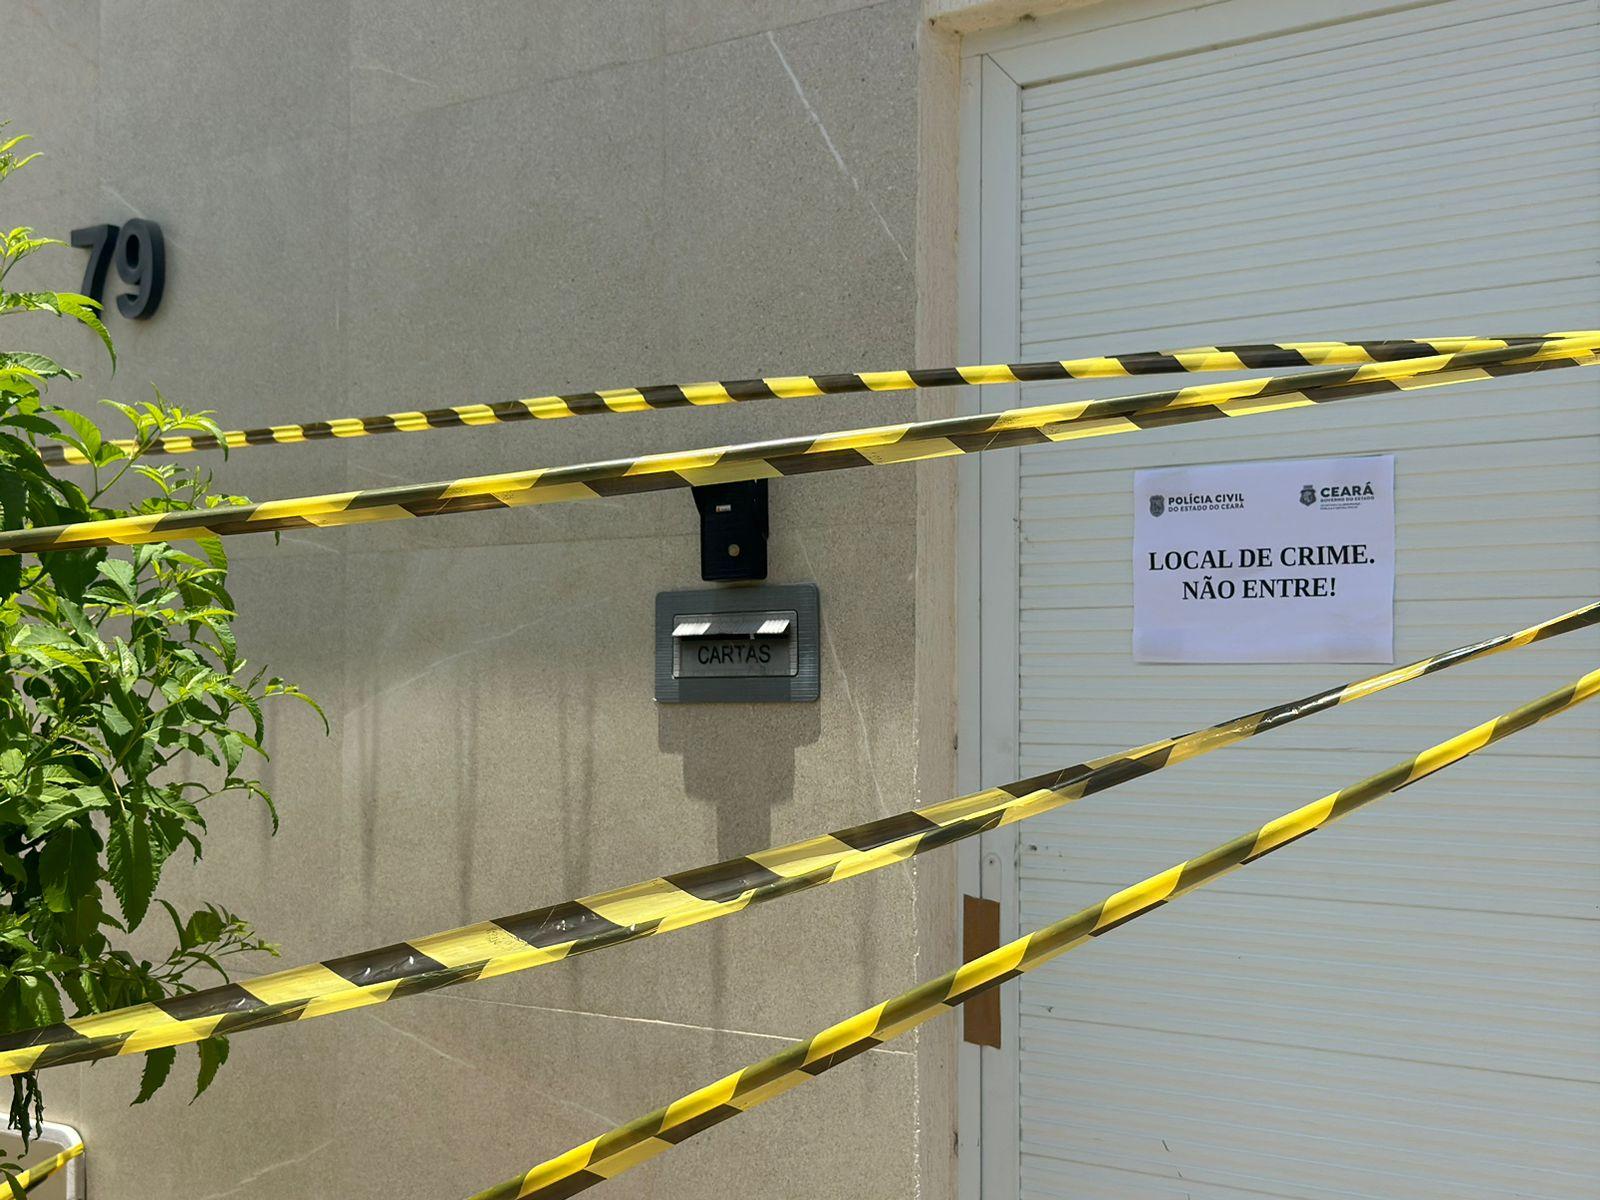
pixel 989 331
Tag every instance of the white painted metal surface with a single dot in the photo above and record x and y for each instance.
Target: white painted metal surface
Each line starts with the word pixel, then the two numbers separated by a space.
pixel 1407 1005
pixel 69 1183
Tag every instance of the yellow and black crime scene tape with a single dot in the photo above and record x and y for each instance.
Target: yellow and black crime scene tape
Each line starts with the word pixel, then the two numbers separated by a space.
pixel 627 1146
pixel 24 1182
pixel 1273 355
pixel 546 935
pixel 881 446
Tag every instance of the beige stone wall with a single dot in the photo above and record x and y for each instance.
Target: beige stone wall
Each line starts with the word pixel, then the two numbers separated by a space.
pixel 375 206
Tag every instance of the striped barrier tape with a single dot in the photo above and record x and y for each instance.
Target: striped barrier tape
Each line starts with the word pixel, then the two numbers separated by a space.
pixel 627 1146
pixel 24 1182
pixel 881 446
pixel 788 387
pixel 546 935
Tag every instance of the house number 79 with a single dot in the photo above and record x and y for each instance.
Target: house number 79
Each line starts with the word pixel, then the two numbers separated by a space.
pixel 140 255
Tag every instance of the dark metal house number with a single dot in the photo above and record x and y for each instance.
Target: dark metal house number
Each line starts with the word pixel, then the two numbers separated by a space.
pixel 140 255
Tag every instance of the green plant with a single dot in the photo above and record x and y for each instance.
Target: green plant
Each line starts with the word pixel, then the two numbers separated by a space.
pixel 125 708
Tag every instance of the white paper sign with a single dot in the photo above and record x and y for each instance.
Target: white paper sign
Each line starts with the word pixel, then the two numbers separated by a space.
pixel 1265 562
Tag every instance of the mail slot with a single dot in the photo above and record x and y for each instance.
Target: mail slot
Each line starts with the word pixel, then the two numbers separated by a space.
pixel 733 644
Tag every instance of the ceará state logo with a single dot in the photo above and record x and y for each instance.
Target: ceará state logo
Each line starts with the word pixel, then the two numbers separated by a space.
pixel 1337 495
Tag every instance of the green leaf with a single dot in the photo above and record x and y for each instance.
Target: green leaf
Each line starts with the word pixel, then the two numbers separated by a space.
pixel 157 1066
pixel 213 1053
pixel 31 302
pixel 47 656
pixel 69 868
pixel 72 571
pixel 216 554
pixel 87 635
pixel 19 245
pixel 85 312
pixel 54 813
pixel 13 505
pixel 120 572
pixel 266 799
pixel 89 437
pixel 36 1002
pixel 232 750
pixel 41 365
pixel 278 687
pixel 132 865
pixel 32 424
pixel 204 925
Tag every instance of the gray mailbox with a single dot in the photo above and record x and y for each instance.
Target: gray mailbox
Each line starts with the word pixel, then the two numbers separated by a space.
pixel 738 644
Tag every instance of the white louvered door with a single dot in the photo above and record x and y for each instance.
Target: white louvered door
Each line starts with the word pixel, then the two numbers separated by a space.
pixel 1407 1005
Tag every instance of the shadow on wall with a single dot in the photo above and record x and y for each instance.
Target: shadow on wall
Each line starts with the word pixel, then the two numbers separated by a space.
pixel 739 758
